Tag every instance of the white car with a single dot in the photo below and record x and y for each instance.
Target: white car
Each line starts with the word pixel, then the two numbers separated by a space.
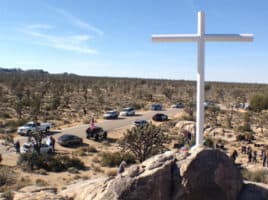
pixel 128 112
pixel 29 127
pixel 111 115
pixel 29 147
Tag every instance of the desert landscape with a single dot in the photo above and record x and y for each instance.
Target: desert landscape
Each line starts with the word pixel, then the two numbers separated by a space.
pixel 236 117
pixel 133 100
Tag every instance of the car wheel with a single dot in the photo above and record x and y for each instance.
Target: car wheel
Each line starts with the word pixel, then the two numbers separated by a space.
pixel 96 137
pixel 105 135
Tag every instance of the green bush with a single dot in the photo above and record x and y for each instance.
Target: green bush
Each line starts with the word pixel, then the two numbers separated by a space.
pixel 83 151
pixel 57 163
pixel 209 142
pixel 15 123
pixel 114 159
pixel 5 115
pixel 259 102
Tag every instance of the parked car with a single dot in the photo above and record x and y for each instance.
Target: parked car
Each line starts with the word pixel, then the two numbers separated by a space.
pixel 177 105
pixel 128 112
pixel 111 115
pixel 140 122
pixel 160 117
pixel 29 127
pixel 156 107
pixel 29 147
pixel 96 133
pixel 69 140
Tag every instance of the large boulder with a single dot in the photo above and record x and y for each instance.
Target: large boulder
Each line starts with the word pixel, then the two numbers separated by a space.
pixel 207 174
pixel 210 174
pixel 186 125
pixel 151 180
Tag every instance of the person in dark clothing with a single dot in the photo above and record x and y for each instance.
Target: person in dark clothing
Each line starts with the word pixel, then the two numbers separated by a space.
pixel 244 149
pixel 249 152
pixel 234 155
pixel 52 139
pixel 17 146
pixel 254 159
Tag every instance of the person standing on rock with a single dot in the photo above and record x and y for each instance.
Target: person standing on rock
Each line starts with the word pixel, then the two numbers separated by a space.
pixel 234 155
pixel 249 152
pixel 254 159
pixel 121 168
pixel 263 156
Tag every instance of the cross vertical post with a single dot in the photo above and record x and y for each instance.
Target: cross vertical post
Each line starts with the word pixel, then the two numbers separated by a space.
pixel 201 37
pixel 200 97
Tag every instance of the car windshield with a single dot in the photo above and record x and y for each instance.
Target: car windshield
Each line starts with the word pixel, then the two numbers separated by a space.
pixel 27 146
pixel 65 137
pixel 28 124
pixel 110 112
pixel 127 109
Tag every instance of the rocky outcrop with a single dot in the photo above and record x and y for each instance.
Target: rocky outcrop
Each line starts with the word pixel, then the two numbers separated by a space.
pixel 210 174
pixel 206 174
pixel 186 125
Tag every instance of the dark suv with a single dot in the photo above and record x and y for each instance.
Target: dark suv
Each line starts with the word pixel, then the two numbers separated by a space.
pixel 156 107
pixel 97 133
pixel 160 117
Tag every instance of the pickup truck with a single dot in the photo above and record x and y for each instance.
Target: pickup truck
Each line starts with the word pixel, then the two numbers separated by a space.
pixel 29 127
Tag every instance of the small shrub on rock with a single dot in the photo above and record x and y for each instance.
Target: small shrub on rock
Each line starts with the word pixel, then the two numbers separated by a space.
pixel 209 142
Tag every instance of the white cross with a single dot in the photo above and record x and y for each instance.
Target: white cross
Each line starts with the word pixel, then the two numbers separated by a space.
pixel 201 38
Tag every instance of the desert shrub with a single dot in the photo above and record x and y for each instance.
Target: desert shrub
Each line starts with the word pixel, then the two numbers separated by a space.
pixel 40 182
pixel 208 142
pixel 256 176
pixel 259 102
pixel 15 123
pixel 73 170
pixel 144 141
pixel 96 168
pixel 83 151
pixel 8 195
pixel 114 159
pixel 7 176
pixel 4 115
pixel 57 163
pixel 181 140
pixel 111 172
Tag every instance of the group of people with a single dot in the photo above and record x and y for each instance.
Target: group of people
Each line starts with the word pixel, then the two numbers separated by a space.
pixel 50 141
pixel 252 155
pixel 264 155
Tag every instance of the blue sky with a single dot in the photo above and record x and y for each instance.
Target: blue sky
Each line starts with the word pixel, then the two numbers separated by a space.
pixel 113 38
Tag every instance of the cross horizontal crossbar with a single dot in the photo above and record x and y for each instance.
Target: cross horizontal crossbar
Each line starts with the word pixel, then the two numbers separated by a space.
pixel 206 37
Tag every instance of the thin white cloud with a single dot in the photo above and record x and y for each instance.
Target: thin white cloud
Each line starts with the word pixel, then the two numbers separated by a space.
pixel 40 26
pixel 75 43
pixel 78 22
